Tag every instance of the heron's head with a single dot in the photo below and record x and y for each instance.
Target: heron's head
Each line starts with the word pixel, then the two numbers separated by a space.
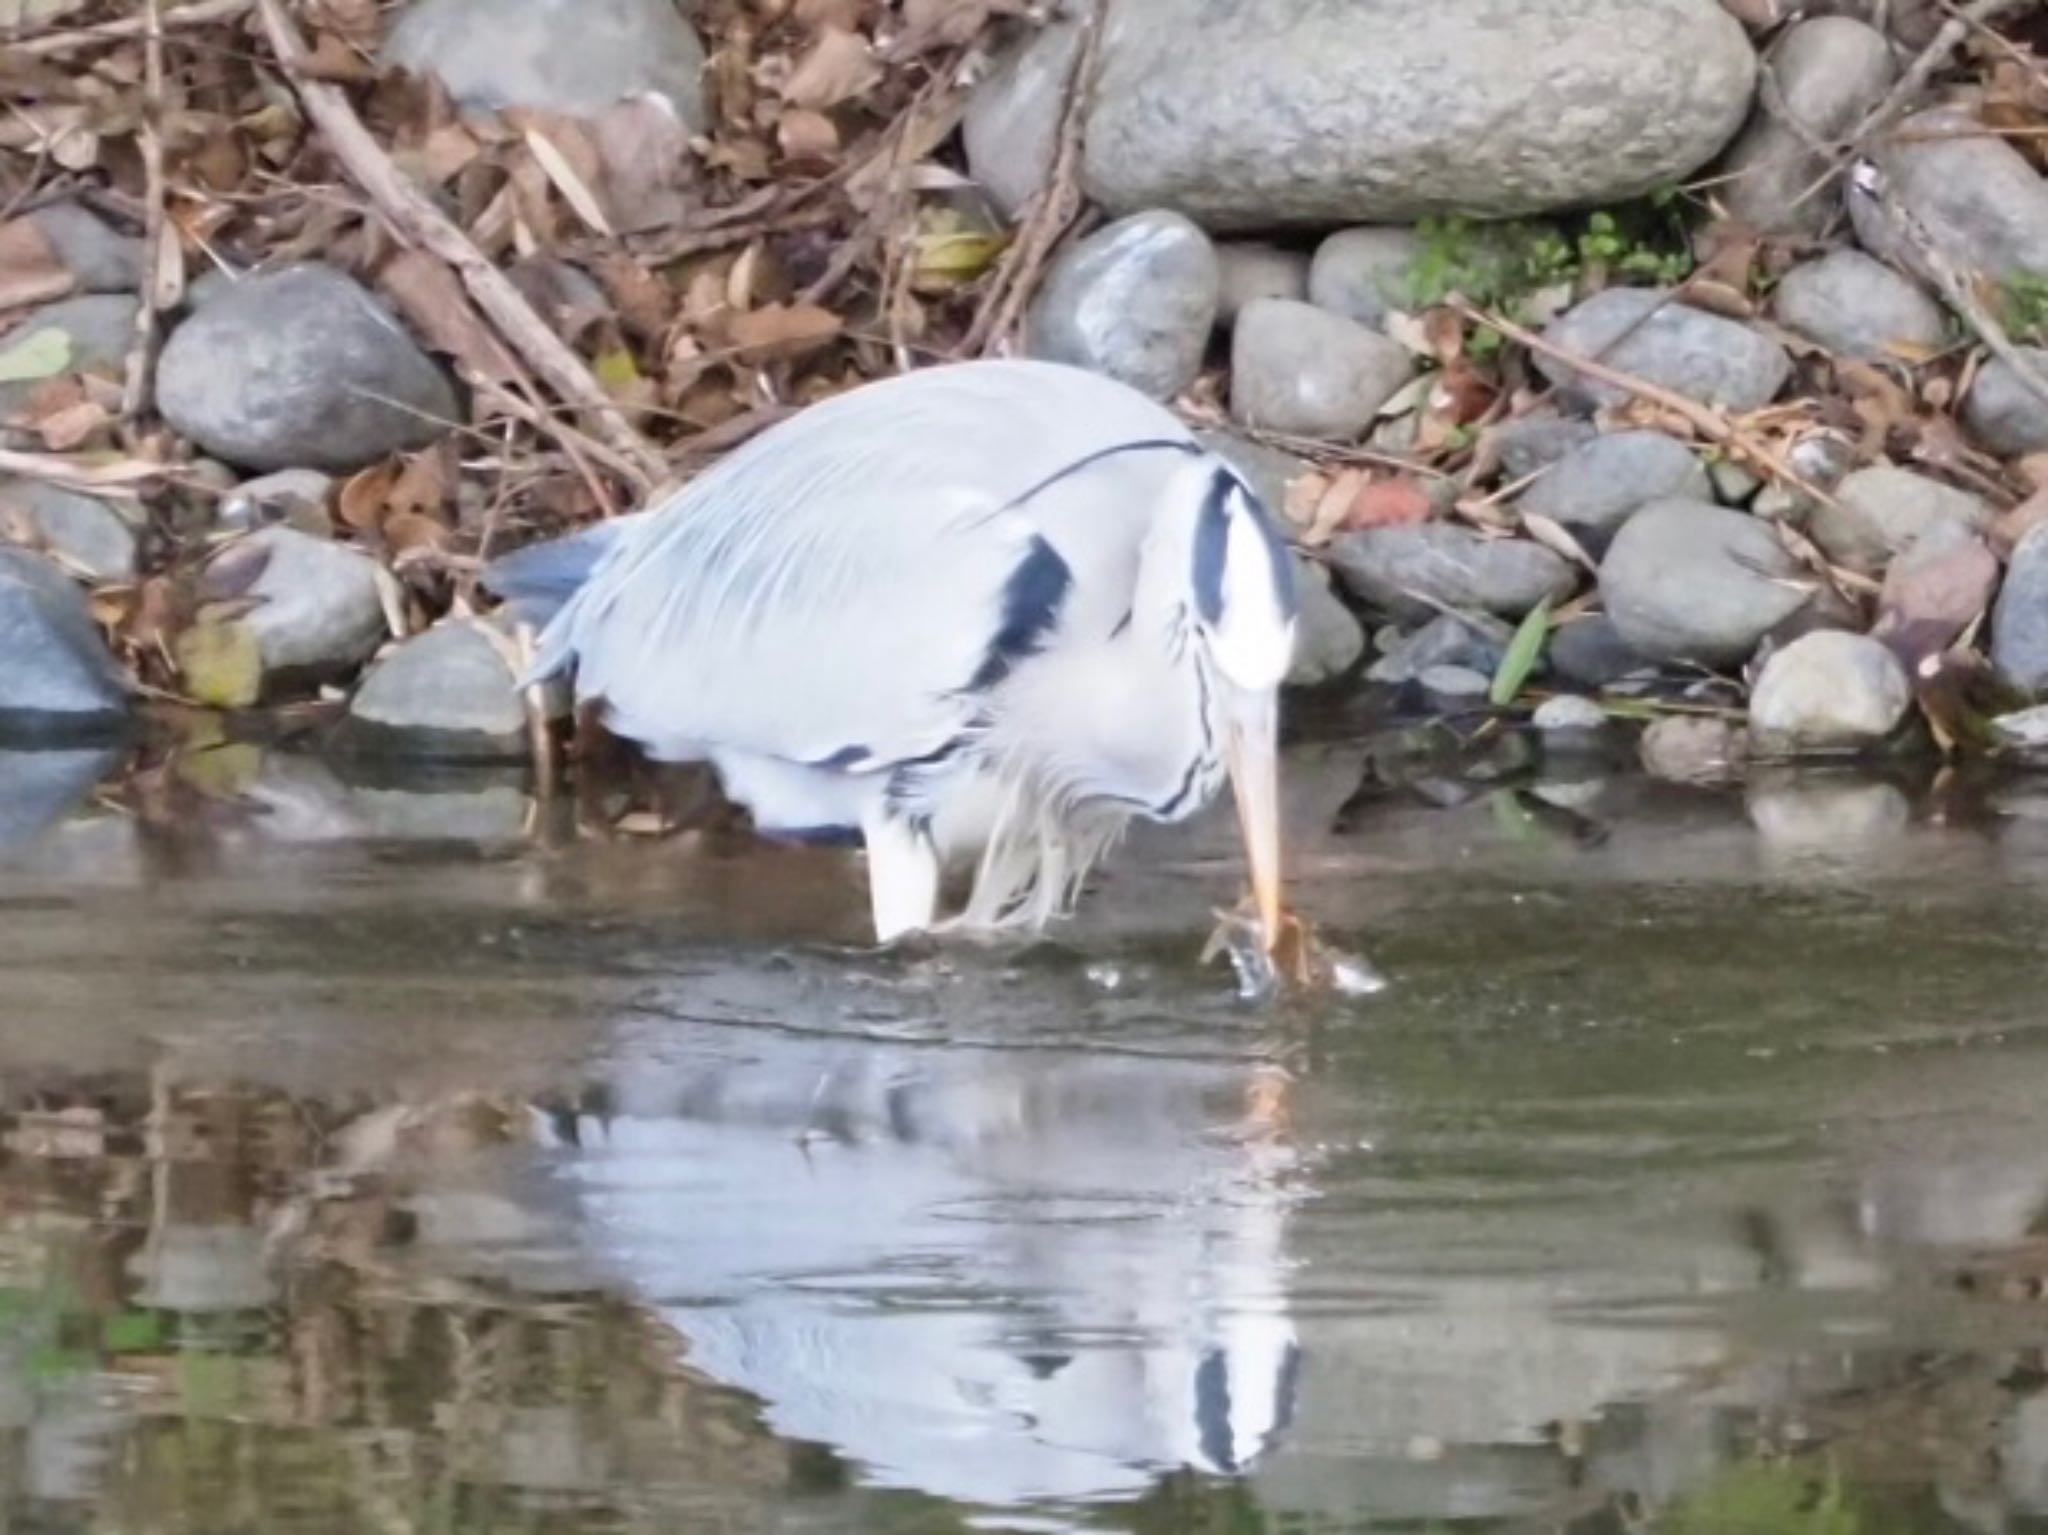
pixel 1243 604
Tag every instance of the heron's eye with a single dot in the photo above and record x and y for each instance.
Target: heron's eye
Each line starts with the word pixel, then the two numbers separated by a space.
pixel 1244 588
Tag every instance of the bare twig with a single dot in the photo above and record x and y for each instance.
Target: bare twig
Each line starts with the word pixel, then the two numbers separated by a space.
pixel 1051 213
pixel 421 224
pixel 141 368
pixel 202 13
pixel 1707 421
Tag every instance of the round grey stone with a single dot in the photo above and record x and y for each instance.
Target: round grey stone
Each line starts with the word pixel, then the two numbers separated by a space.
pixel 445 693
pixel 573 56
pixel 2005 412
pixel 1411 572
pixel 1881 511
pixel 1827 690
pixel 1821 80
pixel 1568 712
pixel 319 609
pixel 1596 486
pixel 1135 301
pixel 1682 748
pixel 1298 369
pixel 1264 113
pixel 102 259
pixel 1704 356
pixel 53 663
pixel 1254 269
pixel 1859 307
pixel 2019 620
pixel 1537 440
pixel 100 327
pixel 301 368
pixel 1450 639
pixel 83 531
pixel 1364 273
pixel 1590 652
pixel 1981 204
pixel 1685 581
pixel 1328 638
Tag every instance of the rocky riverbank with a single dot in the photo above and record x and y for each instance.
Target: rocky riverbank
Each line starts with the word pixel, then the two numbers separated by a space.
pixel 1618 364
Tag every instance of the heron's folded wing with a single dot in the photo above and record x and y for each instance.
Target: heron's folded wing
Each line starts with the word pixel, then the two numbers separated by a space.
pixel 855 630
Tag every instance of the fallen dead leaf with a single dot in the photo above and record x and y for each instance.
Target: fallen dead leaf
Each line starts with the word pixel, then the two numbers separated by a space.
pixel 783 330
pixel 838 66
pixel 30 272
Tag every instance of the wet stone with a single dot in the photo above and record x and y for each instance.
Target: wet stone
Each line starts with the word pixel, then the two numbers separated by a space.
pixel 1828 690
pixel 1449 639
pixel 1135 301
pixel 55 670
pixel 301 368
pixel 449 692
pixel 2019 621
pixel 39 786
pixel 1693 749
pixel 1590 653
pixel 1328 638
pixel 319 609
pixel 1455 686
pixel 1567 713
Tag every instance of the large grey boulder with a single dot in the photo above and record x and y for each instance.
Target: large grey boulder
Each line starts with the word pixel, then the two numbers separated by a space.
pixel 1881 511
pixel 1714 360
pixel 54 666
pixel 573 56
pixel 301 368
pixel 1012 127
pixel 100 328
pixel 1415 572
pixel 1298 369
pixel 1264 113
pixel 446 693
pixel 2006 412
pixel 1135 301
pixel 1977 200
pixel 1821 80
pixel 1685 581
pixel 1859 307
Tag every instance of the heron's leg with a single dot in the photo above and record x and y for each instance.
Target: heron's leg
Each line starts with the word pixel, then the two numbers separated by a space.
pixel 903 875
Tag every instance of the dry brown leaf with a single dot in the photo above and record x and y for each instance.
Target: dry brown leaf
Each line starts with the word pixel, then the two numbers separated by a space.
pixel 333 60
pixel 569 158
pixel 409 532
pixel 30 272
pixel 806 135
pixel 837 67
pixel 72 427
pixel 644 159
pixel 366 495
pixel 424 484
pixel 783 330
pixel 432 298
pixel 1558 539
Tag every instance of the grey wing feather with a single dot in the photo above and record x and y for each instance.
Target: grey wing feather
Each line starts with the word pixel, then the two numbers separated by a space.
pixel 835 591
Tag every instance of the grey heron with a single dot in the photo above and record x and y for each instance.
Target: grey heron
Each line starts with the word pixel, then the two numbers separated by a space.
pixel 983 613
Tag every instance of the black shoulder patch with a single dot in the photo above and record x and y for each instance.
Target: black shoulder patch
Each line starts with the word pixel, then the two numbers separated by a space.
pixel 1212 546
pixel 1032 598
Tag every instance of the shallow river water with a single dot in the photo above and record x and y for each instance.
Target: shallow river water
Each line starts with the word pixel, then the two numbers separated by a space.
pixel 370 1162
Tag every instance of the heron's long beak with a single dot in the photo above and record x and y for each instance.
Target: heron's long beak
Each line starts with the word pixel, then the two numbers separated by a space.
pixel 1253 755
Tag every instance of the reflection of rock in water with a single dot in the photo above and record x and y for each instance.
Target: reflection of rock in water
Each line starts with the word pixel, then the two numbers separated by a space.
pixel 38 788
pixel 990 1276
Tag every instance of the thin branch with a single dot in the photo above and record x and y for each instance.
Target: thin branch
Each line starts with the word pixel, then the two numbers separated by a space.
pixel 141 369
pixel 203 13
pixel 1705 419
pixel 422 225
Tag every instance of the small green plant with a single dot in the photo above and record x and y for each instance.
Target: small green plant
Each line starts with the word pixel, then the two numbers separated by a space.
pixel 2024 302
pixel 1504 265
